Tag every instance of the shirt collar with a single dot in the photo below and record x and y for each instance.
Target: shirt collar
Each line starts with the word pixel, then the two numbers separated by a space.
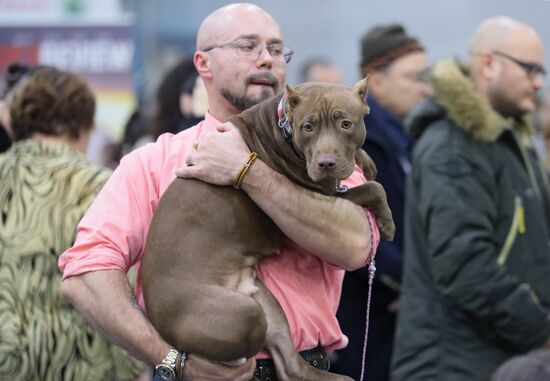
pixel 210 122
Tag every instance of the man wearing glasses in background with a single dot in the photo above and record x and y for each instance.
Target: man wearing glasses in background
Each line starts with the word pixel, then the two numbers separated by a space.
pixel 241 59
pixel 475 288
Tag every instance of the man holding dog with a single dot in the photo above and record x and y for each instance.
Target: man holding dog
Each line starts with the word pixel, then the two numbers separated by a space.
pixel 475 288
pixel 241 59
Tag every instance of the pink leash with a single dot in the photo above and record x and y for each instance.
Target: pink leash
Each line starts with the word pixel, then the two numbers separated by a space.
pixel 372 270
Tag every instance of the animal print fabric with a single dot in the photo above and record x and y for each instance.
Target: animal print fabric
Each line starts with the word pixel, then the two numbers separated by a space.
pixel 44 192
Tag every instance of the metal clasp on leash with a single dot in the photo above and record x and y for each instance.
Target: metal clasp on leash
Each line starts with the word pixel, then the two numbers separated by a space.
pixel 341 188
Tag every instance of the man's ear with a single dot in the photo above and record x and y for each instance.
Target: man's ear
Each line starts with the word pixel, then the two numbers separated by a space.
pixel 293 98
pixel 202 64
pixel 489 67
pixel 361 88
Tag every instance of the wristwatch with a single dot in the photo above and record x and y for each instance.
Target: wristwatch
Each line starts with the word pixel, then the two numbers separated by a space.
pixel 166 370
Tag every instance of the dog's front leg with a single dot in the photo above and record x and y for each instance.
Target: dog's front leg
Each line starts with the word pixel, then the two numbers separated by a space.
pixel 372 195
pixel 289 364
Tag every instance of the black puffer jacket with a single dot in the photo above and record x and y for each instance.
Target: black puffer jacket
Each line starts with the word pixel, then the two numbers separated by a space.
pixel 476 286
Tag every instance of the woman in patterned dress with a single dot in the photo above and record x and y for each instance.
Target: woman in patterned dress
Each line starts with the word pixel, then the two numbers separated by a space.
pixel 46 185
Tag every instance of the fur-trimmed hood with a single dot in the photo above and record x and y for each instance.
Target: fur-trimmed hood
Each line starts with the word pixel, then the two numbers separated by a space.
pixel 456 97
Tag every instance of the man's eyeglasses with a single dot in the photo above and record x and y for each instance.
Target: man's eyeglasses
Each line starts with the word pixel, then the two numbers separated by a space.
pixel 251 49
pixel 532 70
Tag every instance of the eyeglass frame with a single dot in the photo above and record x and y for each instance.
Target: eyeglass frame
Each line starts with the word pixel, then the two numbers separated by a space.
pixel 287 56
pixel 531 69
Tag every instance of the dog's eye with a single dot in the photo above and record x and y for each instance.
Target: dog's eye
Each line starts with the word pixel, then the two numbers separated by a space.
pixel 346 124
pixel 308 127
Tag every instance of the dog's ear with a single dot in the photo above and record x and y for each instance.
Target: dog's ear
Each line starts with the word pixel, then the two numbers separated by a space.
pixel 361 88
pixel 365 162
pixel 293 97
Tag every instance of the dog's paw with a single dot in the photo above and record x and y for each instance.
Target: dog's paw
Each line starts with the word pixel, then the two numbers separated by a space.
pixel 386 228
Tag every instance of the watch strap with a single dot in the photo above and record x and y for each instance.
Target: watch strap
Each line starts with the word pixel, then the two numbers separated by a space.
pixel 169 363
pixel 171 358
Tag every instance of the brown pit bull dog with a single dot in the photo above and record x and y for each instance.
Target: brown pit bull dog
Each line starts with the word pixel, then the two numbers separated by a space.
pixel 205 241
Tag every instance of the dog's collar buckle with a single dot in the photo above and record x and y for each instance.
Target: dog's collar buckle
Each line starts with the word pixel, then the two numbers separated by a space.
pixel 341 188
pixel 283 123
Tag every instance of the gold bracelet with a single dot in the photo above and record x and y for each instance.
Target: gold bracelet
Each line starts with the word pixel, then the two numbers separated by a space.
pixel 237 184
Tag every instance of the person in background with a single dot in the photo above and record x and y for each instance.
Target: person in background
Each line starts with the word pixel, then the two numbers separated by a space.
pixel 5 138
pixel 193 102
pixel 321 70
pixel 475 289
pixel 46 185
pixel 242 59
pixel 174 100
pixel 547 145
pixel 180 104
pixel 542 120
pixel 395 63
pixel 15 77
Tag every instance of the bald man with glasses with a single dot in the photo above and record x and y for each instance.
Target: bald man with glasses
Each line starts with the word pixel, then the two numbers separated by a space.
pixel 241 59
pixel 475 288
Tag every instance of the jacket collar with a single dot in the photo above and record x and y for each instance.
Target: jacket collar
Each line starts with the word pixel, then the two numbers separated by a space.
pixel 455 92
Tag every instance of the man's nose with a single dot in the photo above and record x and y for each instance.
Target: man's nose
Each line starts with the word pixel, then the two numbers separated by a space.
pixel 538 81
pixel 264 57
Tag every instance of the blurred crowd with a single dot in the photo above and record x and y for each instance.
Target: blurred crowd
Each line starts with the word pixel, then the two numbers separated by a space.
pixel 462 151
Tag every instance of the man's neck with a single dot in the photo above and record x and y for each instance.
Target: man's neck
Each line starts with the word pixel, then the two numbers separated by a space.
pixel 222 112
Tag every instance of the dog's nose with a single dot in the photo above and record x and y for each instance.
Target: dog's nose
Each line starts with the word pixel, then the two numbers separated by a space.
pixel 326 162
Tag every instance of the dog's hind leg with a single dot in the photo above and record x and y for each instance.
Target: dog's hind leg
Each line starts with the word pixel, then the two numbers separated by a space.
pixel 216 323
pixel 289 364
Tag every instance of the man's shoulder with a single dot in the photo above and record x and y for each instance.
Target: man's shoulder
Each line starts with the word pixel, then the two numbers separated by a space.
pixel 165 144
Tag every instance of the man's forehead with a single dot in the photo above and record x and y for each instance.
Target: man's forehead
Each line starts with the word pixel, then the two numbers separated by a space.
pixel 257 37
pixel 409 63
pixel 261 27
pixel 237 20
pixel 532 53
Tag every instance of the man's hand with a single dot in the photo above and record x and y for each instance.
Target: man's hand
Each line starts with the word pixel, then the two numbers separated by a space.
pixel 197 368
pixel 217 158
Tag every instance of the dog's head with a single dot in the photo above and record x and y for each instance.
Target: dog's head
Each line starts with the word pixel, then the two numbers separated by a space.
pixel 327 126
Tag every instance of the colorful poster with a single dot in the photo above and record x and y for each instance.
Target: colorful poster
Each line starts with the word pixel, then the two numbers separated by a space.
pixel 102 53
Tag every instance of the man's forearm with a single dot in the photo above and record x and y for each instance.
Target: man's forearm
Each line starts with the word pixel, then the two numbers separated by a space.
pixel 335 229
pixel 106 300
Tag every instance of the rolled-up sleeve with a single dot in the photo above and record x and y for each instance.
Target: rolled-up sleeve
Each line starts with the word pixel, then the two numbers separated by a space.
pixel 113 231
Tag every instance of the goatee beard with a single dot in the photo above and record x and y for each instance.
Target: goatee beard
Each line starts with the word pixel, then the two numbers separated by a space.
pixel 244 102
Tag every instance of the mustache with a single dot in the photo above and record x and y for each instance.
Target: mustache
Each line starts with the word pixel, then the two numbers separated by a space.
pixel 266 76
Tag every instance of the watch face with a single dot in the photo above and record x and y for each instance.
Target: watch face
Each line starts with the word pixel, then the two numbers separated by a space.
pixel 164 373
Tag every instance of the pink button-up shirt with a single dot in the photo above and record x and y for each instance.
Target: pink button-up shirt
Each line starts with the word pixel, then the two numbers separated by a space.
pixel 113 233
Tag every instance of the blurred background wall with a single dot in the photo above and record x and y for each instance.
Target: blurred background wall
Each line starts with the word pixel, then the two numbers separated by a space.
pixel 333 28
pixel 162 31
